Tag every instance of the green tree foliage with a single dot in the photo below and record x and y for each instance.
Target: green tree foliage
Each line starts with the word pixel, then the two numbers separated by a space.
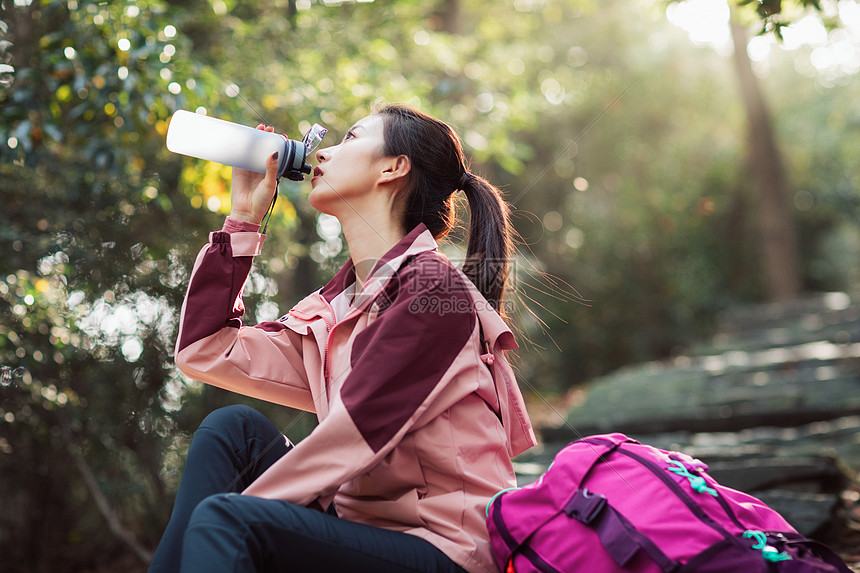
pixel 776 14
pixel 99 231
pixel 617 143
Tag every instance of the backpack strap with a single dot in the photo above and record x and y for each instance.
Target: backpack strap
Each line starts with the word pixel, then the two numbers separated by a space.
pixel 574 461
pixel 618 536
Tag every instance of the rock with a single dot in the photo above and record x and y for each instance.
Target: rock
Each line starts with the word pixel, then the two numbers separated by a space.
pixel 775 365
pixel 809 513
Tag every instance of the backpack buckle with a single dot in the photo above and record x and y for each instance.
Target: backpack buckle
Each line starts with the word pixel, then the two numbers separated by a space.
pixel 585 506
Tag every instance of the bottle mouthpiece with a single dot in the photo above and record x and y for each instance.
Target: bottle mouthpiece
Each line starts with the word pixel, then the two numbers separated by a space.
pixel 313 138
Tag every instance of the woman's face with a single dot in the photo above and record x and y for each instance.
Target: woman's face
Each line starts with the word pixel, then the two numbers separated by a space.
pixel 347 173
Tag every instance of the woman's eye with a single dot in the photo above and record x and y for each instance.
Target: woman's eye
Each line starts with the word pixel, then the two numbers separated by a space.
pixel 349 135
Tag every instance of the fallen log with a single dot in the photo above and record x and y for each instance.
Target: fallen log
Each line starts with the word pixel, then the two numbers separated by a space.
pixel 733 391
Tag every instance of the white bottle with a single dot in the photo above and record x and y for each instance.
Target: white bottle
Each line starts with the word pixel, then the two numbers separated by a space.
pixel 240 146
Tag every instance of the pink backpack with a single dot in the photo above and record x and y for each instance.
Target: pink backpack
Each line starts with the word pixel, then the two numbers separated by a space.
pixel 609 504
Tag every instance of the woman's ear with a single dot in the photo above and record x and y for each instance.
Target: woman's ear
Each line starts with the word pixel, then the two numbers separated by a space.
pixel 395 168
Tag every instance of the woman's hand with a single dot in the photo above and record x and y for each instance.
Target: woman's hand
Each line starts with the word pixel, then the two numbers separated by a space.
pixel 251 193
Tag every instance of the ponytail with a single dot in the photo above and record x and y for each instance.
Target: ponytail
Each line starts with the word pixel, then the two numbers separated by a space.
pixel 490 246
pixel 439 169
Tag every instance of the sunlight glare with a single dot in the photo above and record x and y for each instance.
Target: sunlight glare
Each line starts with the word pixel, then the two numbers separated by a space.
pixel 806 31
pixel 132 349
pixel 705 21
pixel 833 53
pixel 758 48
pixel 849 15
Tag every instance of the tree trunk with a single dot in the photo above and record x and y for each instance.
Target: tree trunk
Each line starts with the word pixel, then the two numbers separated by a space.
pixel 447 17
pixel 778 236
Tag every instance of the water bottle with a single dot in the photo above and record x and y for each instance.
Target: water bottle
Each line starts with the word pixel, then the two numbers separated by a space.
pixel 240 146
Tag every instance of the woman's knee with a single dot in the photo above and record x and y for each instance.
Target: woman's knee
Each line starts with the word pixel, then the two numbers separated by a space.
pixel 217 537
pixel 251 441
pixel 214 511
pixel 227 429
pixel 231 416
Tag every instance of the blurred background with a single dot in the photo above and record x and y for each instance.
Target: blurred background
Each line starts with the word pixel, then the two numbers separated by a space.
pixel 669 164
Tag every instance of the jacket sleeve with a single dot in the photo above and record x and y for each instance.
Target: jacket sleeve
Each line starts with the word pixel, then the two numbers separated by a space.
pixel 215 348
pixel 401 364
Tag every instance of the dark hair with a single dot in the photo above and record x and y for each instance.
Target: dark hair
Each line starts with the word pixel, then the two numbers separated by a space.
pixel 438 170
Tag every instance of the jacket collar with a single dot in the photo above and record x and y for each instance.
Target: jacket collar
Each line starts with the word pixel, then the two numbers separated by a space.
pixel 418 240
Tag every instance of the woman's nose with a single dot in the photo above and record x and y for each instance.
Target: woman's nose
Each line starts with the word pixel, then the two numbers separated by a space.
pixel 322 155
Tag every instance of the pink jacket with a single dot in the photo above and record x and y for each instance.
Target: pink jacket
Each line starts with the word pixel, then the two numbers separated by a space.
pixel 417 419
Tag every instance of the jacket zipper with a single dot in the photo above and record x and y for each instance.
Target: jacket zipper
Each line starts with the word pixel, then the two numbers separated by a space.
pixel 326 351
pixel 329 338
pixel 329 327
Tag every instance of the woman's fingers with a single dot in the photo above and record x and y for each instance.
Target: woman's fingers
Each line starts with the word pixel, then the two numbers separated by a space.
pixel 272 170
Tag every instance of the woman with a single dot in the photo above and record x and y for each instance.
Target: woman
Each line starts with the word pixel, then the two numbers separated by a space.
pixel 400 355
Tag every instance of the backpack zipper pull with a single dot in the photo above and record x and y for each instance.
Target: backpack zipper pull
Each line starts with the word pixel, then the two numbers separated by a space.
pixel 769 552
pixel 696 482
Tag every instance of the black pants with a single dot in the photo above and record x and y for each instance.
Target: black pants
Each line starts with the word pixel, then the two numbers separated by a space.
pixel 213 529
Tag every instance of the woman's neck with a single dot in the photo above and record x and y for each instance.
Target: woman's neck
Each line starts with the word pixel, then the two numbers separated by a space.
pixel 368 239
